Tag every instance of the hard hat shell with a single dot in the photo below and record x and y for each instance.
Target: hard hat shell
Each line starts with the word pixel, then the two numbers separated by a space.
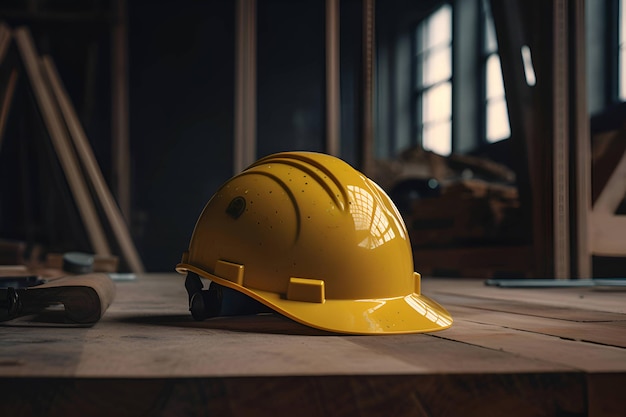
pixel 317 241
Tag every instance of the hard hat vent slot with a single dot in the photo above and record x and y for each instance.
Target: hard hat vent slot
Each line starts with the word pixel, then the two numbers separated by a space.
pixel 307 290
pixel 236 207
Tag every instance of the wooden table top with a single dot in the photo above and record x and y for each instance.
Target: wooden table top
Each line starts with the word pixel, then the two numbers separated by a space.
pixel 520 351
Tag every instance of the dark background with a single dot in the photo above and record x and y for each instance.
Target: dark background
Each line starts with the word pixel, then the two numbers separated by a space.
pixel 181 88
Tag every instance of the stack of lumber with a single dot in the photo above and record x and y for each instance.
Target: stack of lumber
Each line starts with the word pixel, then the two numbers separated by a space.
pixel 467 212
pixel 473 200
pixel 470 224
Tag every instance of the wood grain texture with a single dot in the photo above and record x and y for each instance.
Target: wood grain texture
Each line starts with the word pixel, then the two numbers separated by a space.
pixel 507 353
pixel 494 395
pixel 606 394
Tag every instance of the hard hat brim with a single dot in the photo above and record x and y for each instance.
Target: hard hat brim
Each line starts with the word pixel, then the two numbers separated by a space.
pixel 412 313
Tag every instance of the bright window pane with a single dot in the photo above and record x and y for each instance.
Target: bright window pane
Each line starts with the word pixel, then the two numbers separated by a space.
pixel 496 113
pixel 497 120
pixel 495 85
pixel 434 71
pixel 437 137
pixel 437 66
pixel 436 30
pixel 437 103
pixel 440 27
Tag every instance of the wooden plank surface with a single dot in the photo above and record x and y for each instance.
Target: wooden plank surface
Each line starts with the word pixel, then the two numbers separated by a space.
pixel 149 333
pixel 495 395
pixel 584 299
pixel 609 333
pixel 508 352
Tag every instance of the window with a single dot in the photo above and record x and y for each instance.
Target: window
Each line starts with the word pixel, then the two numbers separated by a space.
pixel 496 113
pixel 433 86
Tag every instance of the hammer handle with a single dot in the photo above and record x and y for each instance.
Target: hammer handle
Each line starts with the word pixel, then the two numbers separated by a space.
pixel 85 297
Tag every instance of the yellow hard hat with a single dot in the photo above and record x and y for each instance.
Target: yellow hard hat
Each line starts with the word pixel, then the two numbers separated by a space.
pixel 314 239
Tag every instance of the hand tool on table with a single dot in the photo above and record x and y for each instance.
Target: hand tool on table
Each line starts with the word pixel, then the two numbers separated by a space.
pixel 85 298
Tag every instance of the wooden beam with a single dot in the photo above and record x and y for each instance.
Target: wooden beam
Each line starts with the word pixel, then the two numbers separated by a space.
pixel 614 191
pixel 60 141
pixel 6 99
pixel 607 237
pixel 367 117
pixel 529 138
pixel 85 153
pixel 119 108
pixel 5 40
pixel 560 134
pixel 7 88
pixel 333 92
pixel 9 75
pixel 581 251
pixel 609 229
pixel 245 84
pixel 551 118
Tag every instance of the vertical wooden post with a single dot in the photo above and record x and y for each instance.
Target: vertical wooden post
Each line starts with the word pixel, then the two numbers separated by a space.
pixel 333 100
pixel 7 88
pixel 119 108
pixel 368 86
pixel 5 40
pixel 569 126
pixel 245 84
pixel 5 100
pixel 560 115
pixel 556 110
pixel 582 143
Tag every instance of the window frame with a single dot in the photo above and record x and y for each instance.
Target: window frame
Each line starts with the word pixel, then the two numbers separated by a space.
pixel 419 90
